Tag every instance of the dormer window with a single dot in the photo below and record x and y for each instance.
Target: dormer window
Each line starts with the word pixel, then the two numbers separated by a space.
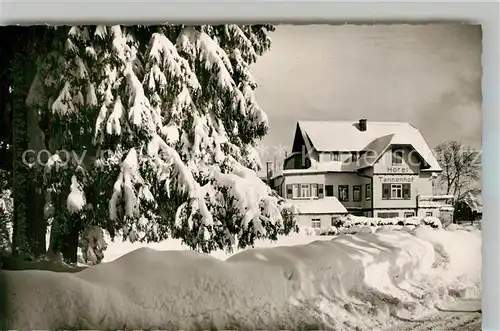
pixel 397 156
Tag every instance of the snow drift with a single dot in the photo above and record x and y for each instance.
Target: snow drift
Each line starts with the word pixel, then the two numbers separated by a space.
pixel 350 224
pixel 366 281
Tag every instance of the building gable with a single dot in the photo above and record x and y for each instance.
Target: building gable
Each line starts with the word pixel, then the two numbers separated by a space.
pixel 398 159
pixel 372 140
pixel 301 141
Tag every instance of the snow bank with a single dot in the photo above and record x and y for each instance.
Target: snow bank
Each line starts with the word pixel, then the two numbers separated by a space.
pixel 351 220
pixel 460 252
pixel 350 224
pixel 364 281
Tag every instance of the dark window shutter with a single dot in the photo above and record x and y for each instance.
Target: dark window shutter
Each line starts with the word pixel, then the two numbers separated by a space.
pixel 289 192
pixel 386 191
pixel 406 191
pixel 320 191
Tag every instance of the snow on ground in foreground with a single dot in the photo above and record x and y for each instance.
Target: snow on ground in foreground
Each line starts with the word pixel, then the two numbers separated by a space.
pixel 366 281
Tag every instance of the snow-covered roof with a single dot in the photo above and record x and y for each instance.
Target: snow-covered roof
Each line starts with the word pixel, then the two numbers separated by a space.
pixel 376 147
pixel 345 136
pixel 430 204
pixel 434 201
pixel 322 167
pixel 435 197
pixel 327 205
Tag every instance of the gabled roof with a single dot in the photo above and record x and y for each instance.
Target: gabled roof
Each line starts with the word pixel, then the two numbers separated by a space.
pixel 345 136
pixel 474 201
pixel 376 148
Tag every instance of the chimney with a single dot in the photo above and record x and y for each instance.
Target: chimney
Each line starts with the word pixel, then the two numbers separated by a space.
pixel 362 124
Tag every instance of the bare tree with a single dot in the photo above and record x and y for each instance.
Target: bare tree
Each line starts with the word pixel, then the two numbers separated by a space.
pixel 461 168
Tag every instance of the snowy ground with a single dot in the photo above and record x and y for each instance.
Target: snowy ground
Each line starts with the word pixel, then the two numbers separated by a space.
pixel 463 316
pixel 389 280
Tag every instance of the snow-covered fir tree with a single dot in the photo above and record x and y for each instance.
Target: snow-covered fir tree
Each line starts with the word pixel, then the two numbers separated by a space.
pixel 6 211
pixel 161 123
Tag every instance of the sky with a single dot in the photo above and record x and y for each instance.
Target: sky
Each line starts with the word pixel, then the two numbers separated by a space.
pixel 428 75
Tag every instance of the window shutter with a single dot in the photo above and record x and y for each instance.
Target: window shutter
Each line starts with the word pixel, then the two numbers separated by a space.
pixel 320 190
pixel 386 191
pixel 289 193
pixel 406 191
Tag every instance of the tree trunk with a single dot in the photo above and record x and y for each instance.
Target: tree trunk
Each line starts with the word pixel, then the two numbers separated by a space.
pixel 69 242
pixel 5 98
pixel 37 225
pixel 54 235
pixel 20 243
pixel 29 199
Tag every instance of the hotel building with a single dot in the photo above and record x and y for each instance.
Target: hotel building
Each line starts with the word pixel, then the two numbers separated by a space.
pixel 372 169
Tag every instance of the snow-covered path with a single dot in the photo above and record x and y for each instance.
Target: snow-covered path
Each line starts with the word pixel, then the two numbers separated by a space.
pixel 462 316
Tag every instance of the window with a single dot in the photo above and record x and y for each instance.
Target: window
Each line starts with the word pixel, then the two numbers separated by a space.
pixel 316 223
pixel 429 213
pixel 356 193
pixel 397 156
pixel 343 193
pixel 388 215
pixel 368 191
pixel 329 190
pixel 335 156
pixel 396 191
pixel 314 190
pixel 297 191
pixel 305 190
pixel 409 214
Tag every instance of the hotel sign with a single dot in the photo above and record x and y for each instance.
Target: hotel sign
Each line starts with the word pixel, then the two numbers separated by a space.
pixel 397 170
pixel 397 180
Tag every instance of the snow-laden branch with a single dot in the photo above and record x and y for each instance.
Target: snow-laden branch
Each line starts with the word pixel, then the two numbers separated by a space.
pixel 76 198
pixel 200 46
